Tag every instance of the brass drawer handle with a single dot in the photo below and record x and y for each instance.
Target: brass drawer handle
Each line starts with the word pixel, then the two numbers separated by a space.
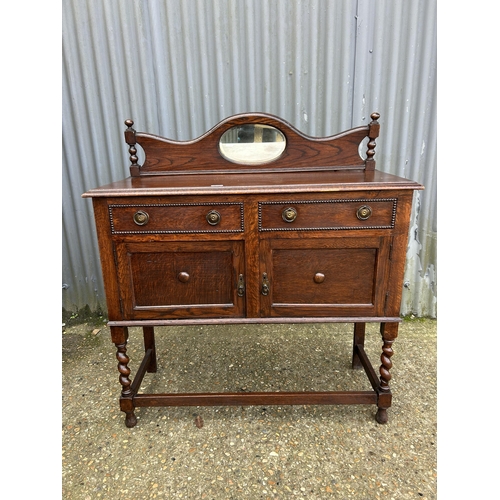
pixel 364 212
pixel 213 217
pixel 141 218
pixel 289 214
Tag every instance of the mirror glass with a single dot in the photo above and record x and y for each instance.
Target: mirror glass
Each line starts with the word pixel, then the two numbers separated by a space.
pixel 252 144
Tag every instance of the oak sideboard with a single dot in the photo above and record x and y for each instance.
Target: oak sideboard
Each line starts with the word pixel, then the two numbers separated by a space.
pixel 254 222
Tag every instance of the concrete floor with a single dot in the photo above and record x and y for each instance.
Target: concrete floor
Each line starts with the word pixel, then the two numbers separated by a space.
pixel 249 452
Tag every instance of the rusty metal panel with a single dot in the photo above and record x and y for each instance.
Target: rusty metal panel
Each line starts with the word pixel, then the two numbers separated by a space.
pixel 177 68
pixel 396 75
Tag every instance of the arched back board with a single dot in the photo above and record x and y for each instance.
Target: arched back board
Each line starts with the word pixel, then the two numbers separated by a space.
pixel 251 142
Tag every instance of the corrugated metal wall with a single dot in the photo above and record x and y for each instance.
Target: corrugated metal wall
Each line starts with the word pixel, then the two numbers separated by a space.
pixel 179 67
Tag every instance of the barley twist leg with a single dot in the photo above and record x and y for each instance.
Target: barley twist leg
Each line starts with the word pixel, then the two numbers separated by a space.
pixel 389 333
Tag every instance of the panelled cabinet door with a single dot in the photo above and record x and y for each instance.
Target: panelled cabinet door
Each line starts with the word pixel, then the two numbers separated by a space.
pixel 324 277
pixel 180 279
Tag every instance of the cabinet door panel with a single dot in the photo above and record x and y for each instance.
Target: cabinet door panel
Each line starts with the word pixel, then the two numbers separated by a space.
pixel 337 276
pixel 180 279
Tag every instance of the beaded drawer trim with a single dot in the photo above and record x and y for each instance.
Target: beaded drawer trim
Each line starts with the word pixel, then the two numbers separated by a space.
pixel 328 228
pixel 176 231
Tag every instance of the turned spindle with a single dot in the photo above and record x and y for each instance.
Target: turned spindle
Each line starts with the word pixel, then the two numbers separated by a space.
pixel 132 150
pixel 373 131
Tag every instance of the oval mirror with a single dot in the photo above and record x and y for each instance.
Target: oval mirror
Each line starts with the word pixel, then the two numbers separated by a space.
pixel 252 144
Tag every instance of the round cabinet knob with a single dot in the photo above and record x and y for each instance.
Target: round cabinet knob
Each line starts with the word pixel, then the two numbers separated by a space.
pixel 141 218
pixel 213 217
pixel 319 278
pixel 183 277
pixel 364 212
pixel 289 214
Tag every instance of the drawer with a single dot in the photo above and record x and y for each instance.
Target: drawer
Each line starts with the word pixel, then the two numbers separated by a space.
pixel 321 215
pixel 177 218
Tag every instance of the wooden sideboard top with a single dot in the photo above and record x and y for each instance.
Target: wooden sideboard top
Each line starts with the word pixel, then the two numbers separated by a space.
pixel 248 183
